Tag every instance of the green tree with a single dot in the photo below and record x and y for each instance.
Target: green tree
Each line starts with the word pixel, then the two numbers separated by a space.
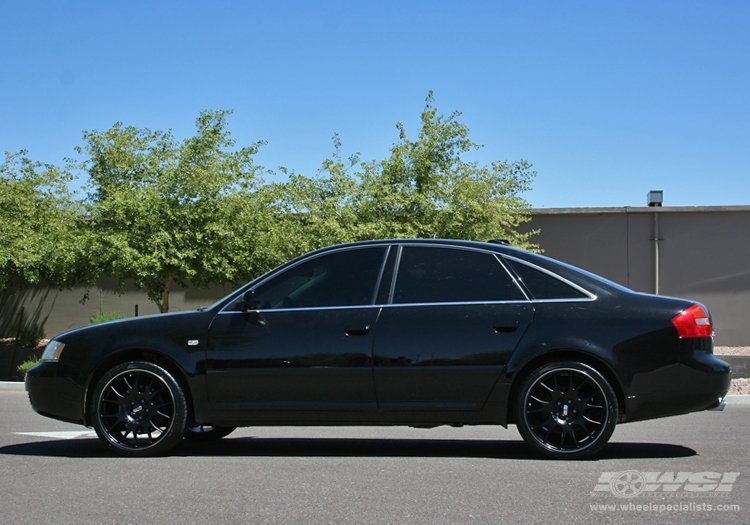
pixel 424 188
pixel 166 213
pixel 319 211
pixel 40 226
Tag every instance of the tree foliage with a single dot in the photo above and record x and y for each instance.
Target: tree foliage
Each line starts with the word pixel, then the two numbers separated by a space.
pixel 162 212
pixel 424 188
pixel 167 212
pixel 41 233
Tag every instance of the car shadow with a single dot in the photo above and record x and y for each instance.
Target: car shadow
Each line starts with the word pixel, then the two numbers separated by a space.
pixel 348 447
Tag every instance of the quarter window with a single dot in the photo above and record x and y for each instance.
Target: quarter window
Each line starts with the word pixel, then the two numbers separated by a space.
pixel 446 275
pixel 544 286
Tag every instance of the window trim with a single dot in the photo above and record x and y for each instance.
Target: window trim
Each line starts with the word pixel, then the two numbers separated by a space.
pixel 501 259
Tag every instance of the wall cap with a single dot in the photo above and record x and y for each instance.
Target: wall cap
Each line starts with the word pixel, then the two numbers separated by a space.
pixel 640 209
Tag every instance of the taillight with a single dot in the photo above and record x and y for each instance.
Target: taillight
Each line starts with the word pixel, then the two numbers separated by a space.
pixel 693 322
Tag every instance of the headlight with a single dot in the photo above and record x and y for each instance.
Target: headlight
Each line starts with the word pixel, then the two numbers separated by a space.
pixel 52 351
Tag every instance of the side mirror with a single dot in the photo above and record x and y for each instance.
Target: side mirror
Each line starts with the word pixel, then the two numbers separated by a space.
pixel 250 309
pixel 248 301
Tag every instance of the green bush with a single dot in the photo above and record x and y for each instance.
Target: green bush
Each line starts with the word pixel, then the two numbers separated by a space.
pixel 27 365
pixel 30 335
pixel 103 317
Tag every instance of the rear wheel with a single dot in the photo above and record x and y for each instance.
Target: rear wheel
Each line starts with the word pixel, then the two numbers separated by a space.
pixel 139 409
pixel 566 410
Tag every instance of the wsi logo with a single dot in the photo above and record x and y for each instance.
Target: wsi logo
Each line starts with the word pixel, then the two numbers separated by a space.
pixel 632 483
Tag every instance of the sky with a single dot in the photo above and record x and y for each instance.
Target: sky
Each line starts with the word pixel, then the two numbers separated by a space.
pixel 607 100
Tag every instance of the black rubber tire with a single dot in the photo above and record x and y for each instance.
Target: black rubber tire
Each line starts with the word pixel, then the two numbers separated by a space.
pixel 566 410
pixel 204 433
pixel 139 409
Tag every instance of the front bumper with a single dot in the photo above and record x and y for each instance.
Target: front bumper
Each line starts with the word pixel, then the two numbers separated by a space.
pixel 44 387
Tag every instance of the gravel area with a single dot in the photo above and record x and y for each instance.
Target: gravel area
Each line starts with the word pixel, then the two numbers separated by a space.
pixel 732 350
pixel 740 386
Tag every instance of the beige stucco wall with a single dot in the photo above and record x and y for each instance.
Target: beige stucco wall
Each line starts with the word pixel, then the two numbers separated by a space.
pixel 704 254
pixel 61 310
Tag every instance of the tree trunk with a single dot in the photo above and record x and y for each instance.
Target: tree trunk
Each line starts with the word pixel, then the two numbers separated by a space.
pixel 164 304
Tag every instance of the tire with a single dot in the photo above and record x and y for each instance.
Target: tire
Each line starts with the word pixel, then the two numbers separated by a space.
pixel 139 409
pixel 566 410
pixel 204 433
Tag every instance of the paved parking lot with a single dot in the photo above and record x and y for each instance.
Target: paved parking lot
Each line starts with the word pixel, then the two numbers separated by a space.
pixel 53 472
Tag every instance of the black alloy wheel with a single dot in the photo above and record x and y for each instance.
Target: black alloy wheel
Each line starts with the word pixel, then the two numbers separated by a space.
pixel 207 432
pixel 566 410
pixel 139 409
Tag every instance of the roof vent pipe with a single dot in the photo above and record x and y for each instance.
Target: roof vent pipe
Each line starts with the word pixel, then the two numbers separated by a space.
pixel 655 199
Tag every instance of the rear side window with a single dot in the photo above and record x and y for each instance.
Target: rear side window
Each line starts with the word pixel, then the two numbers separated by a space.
pixel 542 285
pixel 448 275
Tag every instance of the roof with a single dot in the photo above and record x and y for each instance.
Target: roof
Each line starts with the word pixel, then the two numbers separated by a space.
pixel 641 209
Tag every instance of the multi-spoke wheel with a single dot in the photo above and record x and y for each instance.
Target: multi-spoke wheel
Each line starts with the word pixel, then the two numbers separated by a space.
pixel 566 410
pixel 207 432
pixel 139 409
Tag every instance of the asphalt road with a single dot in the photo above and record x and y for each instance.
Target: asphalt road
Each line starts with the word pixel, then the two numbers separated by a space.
pixel 59 473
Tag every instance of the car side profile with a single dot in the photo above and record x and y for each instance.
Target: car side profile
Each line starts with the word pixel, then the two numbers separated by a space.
pixel 394 332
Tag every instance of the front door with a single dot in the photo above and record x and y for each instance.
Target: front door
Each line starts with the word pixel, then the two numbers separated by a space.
pixel 307 343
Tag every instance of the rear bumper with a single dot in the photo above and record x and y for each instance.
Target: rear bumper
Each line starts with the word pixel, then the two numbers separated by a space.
pixel 706 375
pixel 700 382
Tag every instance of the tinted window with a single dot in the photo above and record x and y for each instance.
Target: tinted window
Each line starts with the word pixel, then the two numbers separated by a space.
pixel 437 275
pixel 544 286
pixel 345 278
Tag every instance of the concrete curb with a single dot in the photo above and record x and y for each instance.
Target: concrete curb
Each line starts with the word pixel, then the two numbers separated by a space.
pixel 738 399
pixel 740 365
pixel 12 385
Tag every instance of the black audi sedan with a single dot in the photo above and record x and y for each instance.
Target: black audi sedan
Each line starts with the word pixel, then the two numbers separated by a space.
pixel 395 332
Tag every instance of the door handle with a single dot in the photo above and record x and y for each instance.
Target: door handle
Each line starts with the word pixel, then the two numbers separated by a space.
pixel 505 328
pixel 357 331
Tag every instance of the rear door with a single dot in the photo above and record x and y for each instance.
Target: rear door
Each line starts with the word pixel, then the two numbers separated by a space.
pixel 454 318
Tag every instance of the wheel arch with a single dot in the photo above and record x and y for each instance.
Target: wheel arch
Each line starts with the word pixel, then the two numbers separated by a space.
pixel 563 355
pixel 137 354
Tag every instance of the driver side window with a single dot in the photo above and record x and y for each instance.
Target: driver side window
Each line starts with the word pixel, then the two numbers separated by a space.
pixel 343 278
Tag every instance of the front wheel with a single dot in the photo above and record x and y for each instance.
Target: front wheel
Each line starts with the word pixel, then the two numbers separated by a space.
pixel 566 410
pixel 139 409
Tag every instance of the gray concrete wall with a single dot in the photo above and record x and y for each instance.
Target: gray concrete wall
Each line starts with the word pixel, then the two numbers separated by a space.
pixel 704 254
